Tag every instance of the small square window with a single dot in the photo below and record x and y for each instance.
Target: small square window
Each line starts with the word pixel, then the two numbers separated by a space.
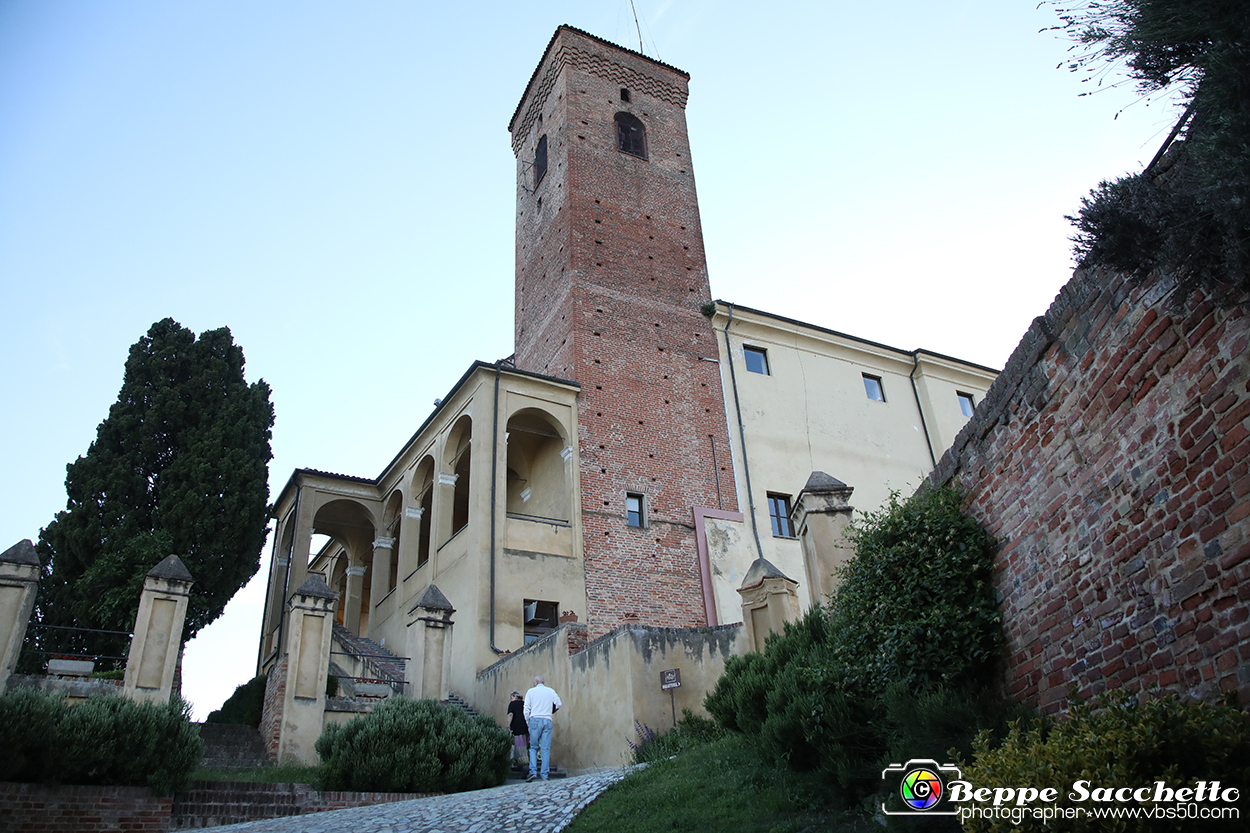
pixel 635 510
pixel 779 513
pixel 966 404
pixel 872 386
pixel 756 359
pixel 624 94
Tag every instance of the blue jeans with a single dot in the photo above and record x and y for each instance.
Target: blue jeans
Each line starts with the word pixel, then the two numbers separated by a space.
pixel 540 735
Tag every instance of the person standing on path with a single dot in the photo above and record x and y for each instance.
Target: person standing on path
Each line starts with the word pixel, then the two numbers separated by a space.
pixel 520 729
pixel 541 703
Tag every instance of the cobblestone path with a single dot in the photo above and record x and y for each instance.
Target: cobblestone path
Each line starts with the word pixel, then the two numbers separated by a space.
pixel 538 807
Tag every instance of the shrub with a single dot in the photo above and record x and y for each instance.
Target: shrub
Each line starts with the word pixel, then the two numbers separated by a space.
pixel 244 706
pixel 414 746
pixel 107 740
pixel 691 731
pixel 896 666
pixel 916 603
pixel 1120 743
pixel 28 720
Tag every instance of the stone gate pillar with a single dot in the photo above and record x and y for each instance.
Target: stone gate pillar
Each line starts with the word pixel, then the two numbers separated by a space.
pixel 429 646
pixel 351 605
pixel 820 516
pixel 158 632
pixel 311 618
pixel 380 581
pixel 19 579
pixel 769 600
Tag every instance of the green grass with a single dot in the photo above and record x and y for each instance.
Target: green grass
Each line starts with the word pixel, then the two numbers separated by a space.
pixel 285 774
pixel 722 785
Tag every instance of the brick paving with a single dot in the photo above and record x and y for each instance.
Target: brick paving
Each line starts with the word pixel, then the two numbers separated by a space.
pixel 537 807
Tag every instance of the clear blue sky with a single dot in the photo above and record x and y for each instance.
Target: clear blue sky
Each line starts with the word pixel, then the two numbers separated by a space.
pixel 335 183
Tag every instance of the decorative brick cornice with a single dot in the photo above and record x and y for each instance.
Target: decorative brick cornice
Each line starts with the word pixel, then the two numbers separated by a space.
pixel 600 66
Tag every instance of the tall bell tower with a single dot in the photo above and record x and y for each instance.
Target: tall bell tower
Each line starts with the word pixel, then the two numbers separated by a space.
pixel 610 279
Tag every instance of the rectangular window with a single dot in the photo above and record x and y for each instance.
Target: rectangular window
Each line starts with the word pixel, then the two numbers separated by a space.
pixel 872 386
pixel 779 512
pixel 540 161
pixel 965 403
pixel 541 618
pixel 756 359
pixel 635 514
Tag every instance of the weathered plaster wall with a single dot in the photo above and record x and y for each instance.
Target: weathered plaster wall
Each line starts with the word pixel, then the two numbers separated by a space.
pixel 1111 460
pixel 610 684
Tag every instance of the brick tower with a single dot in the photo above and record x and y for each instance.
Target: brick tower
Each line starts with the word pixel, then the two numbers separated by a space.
pixel 610 278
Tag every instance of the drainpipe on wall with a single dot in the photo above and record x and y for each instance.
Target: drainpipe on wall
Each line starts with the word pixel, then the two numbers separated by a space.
pixel 286 579
pixel 273 554
pixel 915 365
pixel 494 471
pixel 742 436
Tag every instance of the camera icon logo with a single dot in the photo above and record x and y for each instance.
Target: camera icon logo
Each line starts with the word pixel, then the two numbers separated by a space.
pixel 921 786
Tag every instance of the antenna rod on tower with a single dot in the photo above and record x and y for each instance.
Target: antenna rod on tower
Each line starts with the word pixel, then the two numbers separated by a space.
pixel 637 27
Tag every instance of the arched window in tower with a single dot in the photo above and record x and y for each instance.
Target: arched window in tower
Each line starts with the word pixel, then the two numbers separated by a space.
pixel 631 135
pixel 540 160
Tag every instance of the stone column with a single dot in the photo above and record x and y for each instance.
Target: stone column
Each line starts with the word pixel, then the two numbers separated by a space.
pixel 157 637
pixel 429 646
pixel 19 579
pixel 351 605
pixel 379 584
pixel 310 615
pixel 301 543
pixel 273 608
pixel 769 600
pixel 820 516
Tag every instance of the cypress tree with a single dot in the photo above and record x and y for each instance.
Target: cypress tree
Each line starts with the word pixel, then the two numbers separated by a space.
pixel 180 465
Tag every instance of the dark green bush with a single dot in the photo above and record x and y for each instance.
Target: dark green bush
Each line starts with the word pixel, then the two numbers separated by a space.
pixel 896 667
pixel 916 603
pixel 28 721
pixel 104 740
pixel 244 706
pixel 1119 743
pixel 414 746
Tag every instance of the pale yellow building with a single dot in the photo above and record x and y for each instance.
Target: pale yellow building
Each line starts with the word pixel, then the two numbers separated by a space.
pixel 695 469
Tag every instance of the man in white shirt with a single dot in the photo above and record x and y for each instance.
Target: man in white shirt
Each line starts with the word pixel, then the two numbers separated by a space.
pixel 541 703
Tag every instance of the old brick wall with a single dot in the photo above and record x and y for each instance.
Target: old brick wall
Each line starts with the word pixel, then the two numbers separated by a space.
pixel 43 807
pixel 1111 460
pixel 212 803
pixel 611 275
pixel 270 727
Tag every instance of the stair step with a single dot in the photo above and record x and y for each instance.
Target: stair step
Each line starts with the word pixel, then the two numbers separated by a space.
pixel 389 666
pixel 232 746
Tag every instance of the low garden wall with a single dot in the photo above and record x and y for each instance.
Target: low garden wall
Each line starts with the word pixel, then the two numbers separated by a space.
pixel 611 686
pixel 38 808
pixel 27 808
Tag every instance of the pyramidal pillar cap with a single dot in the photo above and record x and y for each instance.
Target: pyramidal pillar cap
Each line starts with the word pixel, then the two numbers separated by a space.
pixel 23 552
pixel 171 569
pixel 762 569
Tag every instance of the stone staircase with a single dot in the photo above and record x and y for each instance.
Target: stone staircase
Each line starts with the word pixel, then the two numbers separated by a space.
pixel 456 700
pixel 232 746
pixel 378 662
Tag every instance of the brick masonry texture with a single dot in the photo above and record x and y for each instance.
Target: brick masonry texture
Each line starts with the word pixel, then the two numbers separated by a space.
pixel 611 275
pixel 270 727
pixel 1111 461
pixel 212 803
pixel 25 808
